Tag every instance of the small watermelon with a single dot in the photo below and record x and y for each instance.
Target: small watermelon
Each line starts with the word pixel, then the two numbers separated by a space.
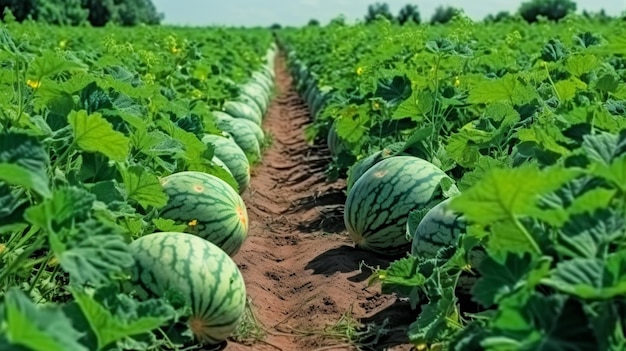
pixel 201 272
pixel 378 205
pixel 239 109
pixel 227 150
pixel 212 209
pixel 241 132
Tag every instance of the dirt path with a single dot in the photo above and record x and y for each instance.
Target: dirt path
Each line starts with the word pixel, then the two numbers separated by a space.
pixel 300 268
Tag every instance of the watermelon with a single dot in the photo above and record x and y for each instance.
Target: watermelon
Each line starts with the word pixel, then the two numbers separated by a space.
pixel 199 271
pixel 334 143
pixel 441 227
pixel 231 125
pixel 248 101
pixel 241 132
pixel 378 204
pixel 359 168
pixel 212 209
pixel 221 164
pixel 257 93
pixel 239 109
pixel 227 150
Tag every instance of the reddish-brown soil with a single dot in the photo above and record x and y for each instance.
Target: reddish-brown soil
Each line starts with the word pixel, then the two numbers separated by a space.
pixel 301 271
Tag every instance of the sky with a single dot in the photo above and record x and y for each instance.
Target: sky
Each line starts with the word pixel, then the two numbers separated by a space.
pixel 299 12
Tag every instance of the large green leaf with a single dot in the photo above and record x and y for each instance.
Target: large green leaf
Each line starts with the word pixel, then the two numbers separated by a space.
pixel 93 133
pixel 24 162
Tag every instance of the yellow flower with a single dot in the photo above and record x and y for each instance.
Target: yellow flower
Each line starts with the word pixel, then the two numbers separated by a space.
pixel 457 82
pixel 33 83
pixel 193 223
pixel 53 262
pixel 63 44
pixel 175 50
pixel 359 71
pixel 375 106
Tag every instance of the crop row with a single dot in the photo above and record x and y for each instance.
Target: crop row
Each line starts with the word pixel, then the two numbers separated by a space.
pixel 123 154
pixel 488 162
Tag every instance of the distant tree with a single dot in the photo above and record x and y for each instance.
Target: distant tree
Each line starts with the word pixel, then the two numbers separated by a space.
pixel 74 12
pixel 443 14
pixel 499 17
pixel 376 10
pixel 409 13
pixel 553 10
pixel 338 21
pixel 313 22
pixel 276 26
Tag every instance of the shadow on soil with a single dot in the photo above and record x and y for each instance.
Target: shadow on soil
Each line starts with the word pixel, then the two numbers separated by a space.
pixel 346 259
pixel 391 323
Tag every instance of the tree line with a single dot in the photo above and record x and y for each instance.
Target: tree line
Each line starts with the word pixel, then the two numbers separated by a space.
pixel 530 11
pixel 76 12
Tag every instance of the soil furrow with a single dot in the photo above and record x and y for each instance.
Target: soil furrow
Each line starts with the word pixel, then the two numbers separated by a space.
pixel 300 268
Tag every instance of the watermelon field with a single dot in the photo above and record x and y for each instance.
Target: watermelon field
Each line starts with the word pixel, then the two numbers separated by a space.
pixel 364 186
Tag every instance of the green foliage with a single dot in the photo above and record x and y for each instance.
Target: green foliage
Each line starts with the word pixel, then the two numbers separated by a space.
pixel 553 10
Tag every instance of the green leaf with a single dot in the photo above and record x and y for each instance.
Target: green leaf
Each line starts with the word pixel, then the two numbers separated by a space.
pixel 143 187
pixel 169 225
pixel 438 320
pixel 615 173
pixel 554 323
pixel 400 272
pixel 603 147
pixel 111 325
pixel 591 278
pixel 589 234
pixel 499 280
pixel 394 90
pixel 51 63
pixel 38 328
pixel 483 165
pixel 24 162
pixel 503 196
pixel 607 83
pixel 580 65
pixel 92 252
pixel 420 103
pixel 67 205
pixel 506 89
pixel 93 133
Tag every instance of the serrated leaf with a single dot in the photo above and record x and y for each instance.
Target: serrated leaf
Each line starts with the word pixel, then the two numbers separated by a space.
pixel 588 234
pixel 67 205
pixel 51 63
pixel 394 90
pixel 169 225
pixel 591 278
pixel 93 133
pixel 603 147
pixel 38 328
pixel 501 279
pixel 24 162
pixel 437 321
pixel 91 252
pixel 415 107
pixel 553 323
pixel 506 89
pixel 143 187
pixel 615 173
pixel 109 326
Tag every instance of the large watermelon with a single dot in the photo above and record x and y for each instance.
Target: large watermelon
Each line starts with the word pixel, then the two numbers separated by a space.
pixel 359 168
pixel 201 272
pixel 212 209
pixel 227 150
pixel 378 204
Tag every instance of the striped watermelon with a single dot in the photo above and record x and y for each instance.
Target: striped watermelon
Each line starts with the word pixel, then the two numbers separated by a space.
pixel 227 150
pixel 257 93
pixel 441 227
pixel 224 119
pixel 248 101
pixel 378 204
pixel 221 164
pixel 212 209
pixel 201 272
pixel 334 143
pixel 241 132
pixel 239 109
pixel 359 168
